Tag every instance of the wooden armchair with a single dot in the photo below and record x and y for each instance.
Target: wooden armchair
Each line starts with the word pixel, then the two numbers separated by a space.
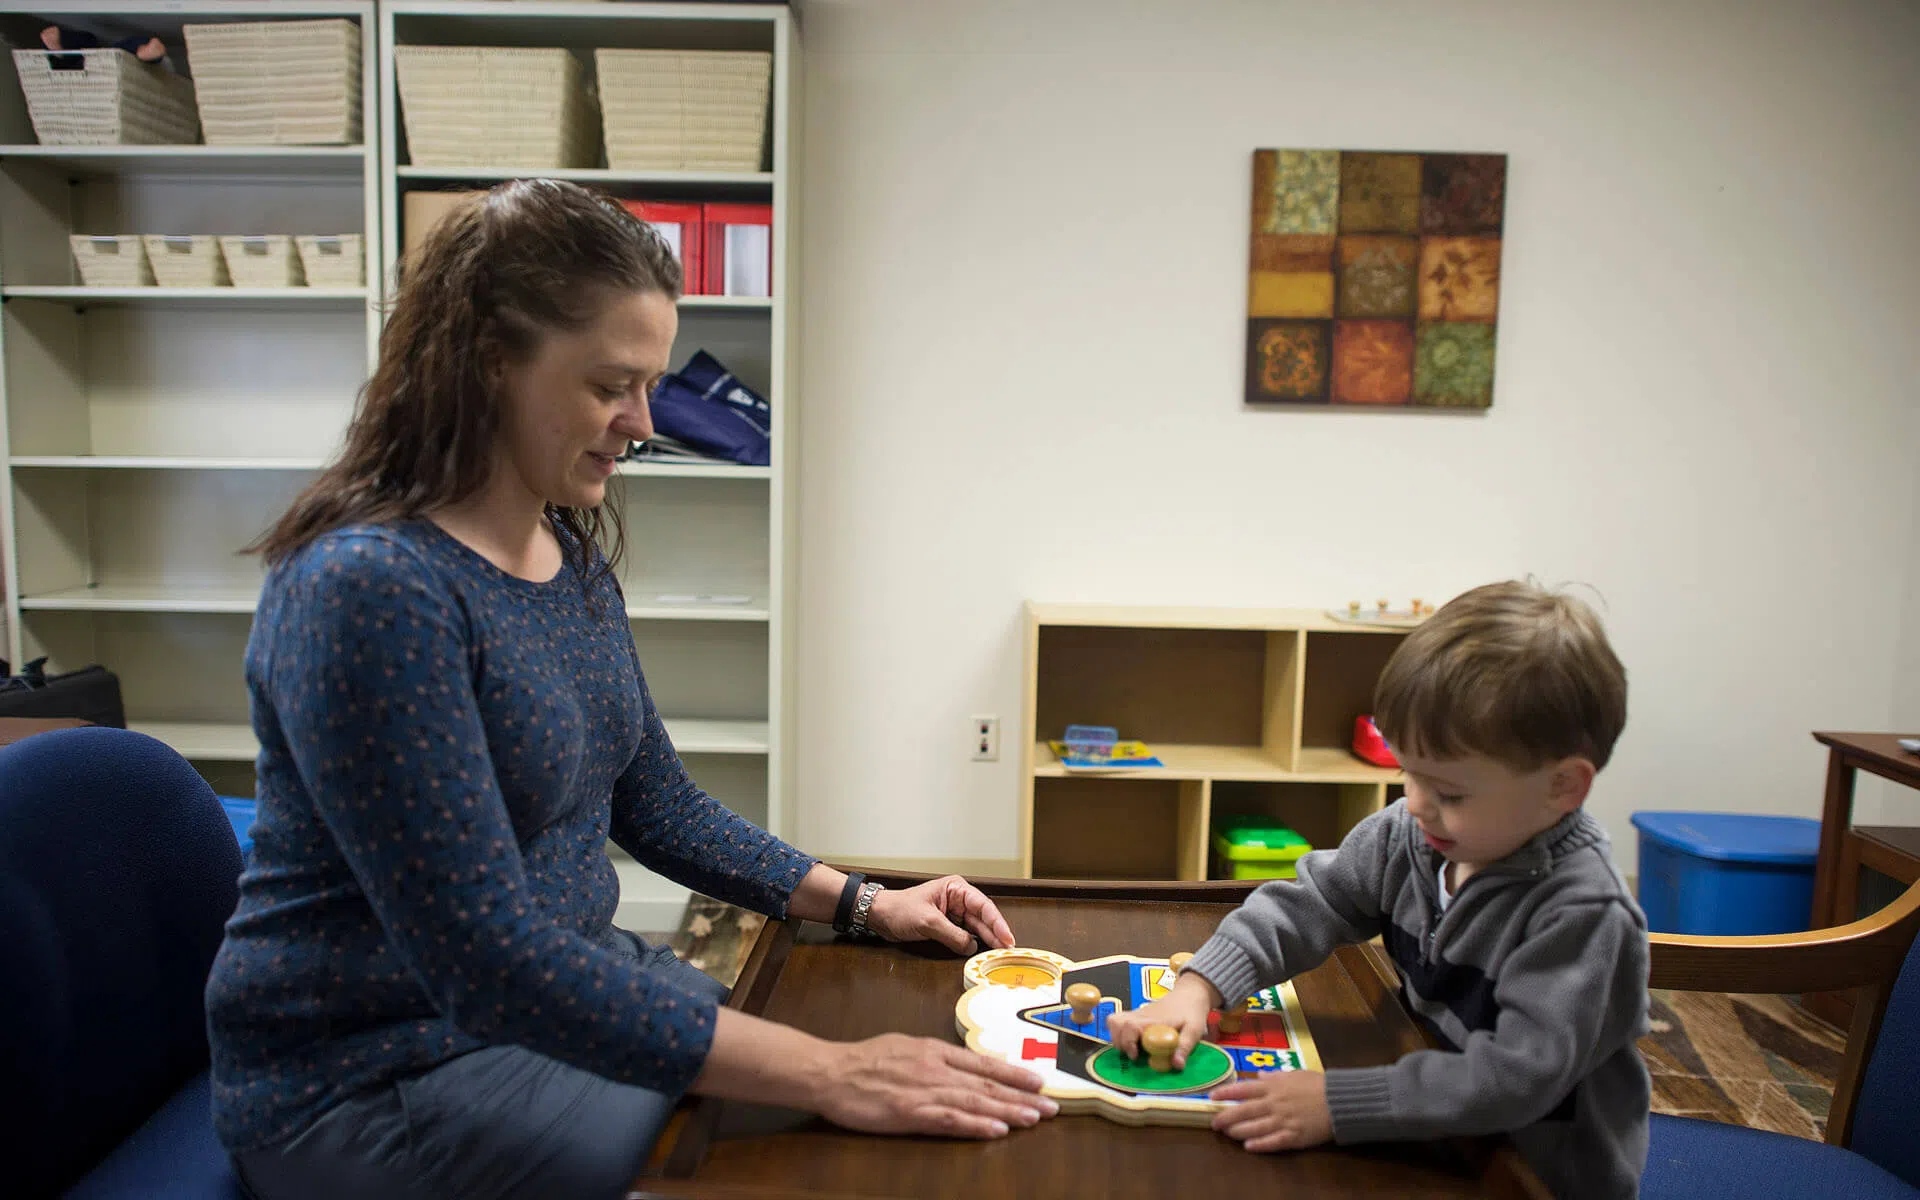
pixel 1873 1130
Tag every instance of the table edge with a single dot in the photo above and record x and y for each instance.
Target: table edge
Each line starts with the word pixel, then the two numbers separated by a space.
pixel 1903 768
pixel 750 994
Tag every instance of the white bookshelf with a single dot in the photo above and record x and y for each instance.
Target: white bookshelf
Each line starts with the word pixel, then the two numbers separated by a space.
pixel 347 162
pixel 161 462
pixel 710 556
pixel 675 470
pixel 153 597
pixel 167 297
pixel 596 176
pixel 233 741
pixel 147 434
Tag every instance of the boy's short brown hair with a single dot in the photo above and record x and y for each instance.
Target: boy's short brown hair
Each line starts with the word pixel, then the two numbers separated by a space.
pixel 1511 671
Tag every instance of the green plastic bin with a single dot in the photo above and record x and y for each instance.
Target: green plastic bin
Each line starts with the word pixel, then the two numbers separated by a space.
pixel 1258 850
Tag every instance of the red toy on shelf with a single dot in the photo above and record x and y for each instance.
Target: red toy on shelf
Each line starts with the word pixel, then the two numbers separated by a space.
pixel 1370 745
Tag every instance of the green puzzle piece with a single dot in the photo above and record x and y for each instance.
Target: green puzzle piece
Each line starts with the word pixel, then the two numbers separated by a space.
pixel 1208 1066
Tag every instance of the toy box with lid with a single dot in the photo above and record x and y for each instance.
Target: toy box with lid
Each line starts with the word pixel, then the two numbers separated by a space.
pixel 1724 874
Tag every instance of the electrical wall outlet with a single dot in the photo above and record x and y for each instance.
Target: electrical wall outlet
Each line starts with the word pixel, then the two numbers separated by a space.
pixel 986 738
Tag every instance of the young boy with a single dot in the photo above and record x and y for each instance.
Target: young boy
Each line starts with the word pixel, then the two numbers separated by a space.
pixel 1517 942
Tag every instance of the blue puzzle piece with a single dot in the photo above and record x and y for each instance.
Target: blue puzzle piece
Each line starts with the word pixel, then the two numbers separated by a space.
pixel 1062 1018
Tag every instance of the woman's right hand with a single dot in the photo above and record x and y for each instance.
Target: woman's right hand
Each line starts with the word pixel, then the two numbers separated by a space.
pixel 899 1084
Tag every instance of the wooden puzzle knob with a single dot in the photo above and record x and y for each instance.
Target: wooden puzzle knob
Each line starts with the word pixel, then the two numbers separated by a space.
pixel 1084 997
pixel 1178 962
pixel 1230 1019
pixel 1160 1041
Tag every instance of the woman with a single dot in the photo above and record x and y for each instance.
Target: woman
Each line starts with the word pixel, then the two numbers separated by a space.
pixel 422 993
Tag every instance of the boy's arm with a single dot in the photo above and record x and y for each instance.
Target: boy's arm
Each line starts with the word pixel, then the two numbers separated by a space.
pixel 1290 926
pixel 1569 995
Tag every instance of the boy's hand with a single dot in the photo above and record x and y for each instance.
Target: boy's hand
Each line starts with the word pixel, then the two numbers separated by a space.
pixel 1185 1009
pixel 1283 1111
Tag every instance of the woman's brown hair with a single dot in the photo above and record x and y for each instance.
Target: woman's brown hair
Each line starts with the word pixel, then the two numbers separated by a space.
pixel 495 276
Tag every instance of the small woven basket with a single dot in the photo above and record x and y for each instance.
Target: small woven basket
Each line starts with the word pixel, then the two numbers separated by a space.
pixel 264 260
pixel 685 109
pixel 491 106
pixel 109 98
pixel 333 260
pixel 112 261
pixel 278 83
pixel 187 260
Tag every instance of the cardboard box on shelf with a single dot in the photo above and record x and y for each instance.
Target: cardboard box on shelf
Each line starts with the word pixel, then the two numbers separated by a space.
pixel 421 211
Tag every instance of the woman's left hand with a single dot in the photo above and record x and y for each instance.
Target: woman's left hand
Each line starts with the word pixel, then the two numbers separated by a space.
pixel 941 910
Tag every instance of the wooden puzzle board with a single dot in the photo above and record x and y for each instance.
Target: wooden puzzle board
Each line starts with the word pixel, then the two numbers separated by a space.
pixel 1013 1010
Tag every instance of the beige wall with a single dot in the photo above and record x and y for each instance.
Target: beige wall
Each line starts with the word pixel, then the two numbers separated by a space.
pixel 1025 241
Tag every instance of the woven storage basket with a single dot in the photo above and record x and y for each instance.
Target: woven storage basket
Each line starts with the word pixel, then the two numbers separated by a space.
pixel 486 106
pixel 335 261
pixel 111 99
pixel 187 260
pixel 685 109
pixel 278 83
pixel 118 261
pixel 262 260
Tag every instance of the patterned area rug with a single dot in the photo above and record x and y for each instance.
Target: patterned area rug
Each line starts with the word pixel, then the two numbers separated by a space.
pixel 1758 1061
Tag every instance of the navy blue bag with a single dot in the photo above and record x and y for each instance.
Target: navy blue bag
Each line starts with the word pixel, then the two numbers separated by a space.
pixel 704 407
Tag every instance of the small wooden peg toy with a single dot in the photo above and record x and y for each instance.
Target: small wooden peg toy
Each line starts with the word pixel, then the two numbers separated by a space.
pixel 1419 606
pixel 1383 606
pixel 1084 997
pixel 1230 1019
pixel 1353 608
pixel 1160 1041
pixel 1178 962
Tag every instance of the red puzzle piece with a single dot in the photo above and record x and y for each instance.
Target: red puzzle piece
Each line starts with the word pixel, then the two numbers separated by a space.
pixel 1267 1031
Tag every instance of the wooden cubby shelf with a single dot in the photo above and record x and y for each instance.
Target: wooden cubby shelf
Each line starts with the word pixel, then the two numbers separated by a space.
pixel 1251 712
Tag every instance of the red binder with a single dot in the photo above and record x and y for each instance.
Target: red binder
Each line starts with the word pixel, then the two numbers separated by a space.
pixel 681 225
pixel 739 250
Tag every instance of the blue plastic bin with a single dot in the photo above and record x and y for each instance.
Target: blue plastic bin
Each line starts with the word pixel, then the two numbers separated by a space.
pixel 1726 873
pixel 241 812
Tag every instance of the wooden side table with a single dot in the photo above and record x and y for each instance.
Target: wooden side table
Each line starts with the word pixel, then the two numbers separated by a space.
pixel 1894 851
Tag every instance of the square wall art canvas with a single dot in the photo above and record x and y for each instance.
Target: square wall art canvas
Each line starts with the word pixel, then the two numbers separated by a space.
pixel 1374 278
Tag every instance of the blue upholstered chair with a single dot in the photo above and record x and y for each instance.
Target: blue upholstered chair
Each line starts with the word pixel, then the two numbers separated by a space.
pixel 1873 1128
pixel 118 870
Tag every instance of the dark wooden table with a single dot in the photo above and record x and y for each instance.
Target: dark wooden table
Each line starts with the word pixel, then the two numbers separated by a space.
pixel 1843 849
pixel 15 729
pixel 801 975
